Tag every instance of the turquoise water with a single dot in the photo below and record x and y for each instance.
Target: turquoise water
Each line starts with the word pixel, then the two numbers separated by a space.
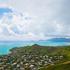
pixel 6 46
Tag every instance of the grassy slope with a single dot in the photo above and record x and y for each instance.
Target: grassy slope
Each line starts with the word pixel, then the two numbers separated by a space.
pixel 57 67
pixel 44 50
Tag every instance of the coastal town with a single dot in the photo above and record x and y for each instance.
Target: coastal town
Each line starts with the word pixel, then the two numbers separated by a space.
pixel 27 61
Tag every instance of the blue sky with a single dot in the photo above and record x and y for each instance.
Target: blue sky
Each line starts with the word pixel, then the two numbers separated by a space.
pixel 34 19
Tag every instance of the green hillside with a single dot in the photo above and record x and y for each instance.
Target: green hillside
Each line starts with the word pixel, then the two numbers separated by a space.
pixel 58 67
pixel 42 50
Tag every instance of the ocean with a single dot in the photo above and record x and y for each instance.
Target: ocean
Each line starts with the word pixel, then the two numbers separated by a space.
pixel 5 46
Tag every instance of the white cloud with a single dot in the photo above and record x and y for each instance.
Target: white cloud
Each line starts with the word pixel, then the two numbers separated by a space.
pixel 35 20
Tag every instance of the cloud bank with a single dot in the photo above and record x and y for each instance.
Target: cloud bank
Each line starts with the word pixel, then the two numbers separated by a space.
pixel 34 19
